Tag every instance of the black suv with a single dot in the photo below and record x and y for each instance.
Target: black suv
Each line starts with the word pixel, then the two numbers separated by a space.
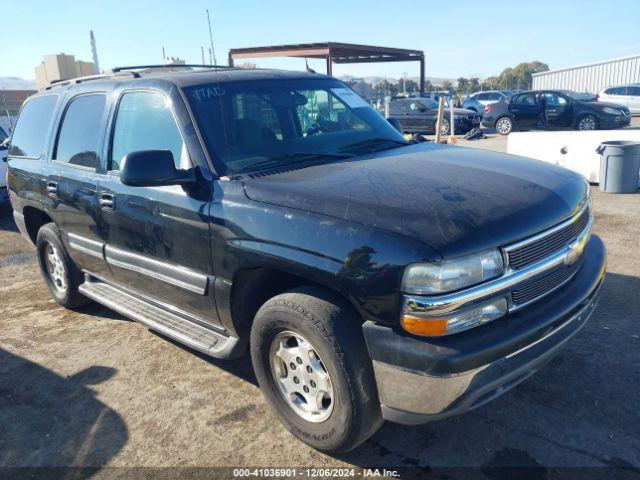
pixel 419 115
pixel 277 212
pixel 553 110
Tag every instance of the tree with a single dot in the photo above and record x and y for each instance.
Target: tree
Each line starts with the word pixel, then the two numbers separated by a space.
pixel 446 85
pixel 463 85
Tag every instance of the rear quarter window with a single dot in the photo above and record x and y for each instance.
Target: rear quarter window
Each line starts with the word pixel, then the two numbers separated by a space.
pixel 33 124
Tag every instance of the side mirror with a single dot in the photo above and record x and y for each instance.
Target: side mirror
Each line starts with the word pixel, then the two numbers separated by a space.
pixel 153 168
pixel 5 144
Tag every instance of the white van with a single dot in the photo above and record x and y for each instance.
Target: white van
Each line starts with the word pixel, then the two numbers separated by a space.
pixel 627 95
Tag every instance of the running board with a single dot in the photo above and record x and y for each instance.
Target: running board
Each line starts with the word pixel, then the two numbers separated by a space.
pixel 160 320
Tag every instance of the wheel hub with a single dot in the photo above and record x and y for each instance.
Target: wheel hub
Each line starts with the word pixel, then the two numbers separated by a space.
pixel 55 268
pixel 301 377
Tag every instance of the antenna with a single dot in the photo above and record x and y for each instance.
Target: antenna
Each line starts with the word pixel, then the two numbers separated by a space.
pixel 213 52
pixel 310 70
pixel 6 110
pixel 94 51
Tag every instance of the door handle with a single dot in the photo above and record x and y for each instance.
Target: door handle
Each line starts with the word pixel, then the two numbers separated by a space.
pixel 107 201
pixel 52 189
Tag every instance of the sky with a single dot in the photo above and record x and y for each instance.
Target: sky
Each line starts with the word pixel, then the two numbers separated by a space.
pixel 467 38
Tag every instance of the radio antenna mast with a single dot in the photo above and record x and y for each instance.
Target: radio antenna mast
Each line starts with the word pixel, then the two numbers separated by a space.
pixel 213 52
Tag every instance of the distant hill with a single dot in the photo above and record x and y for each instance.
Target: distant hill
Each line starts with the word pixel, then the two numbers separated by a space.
pixel 17 83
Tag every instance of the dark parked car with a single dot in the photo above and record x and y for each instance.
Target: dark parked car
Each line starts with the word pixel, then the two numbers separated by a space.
pixel 418 115
pixel 554 109
pixel 277 212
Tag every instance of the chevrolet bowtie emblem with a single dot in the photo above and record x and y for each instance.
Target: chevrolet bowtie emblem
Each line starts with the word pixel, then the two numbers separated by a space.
pixel 575 251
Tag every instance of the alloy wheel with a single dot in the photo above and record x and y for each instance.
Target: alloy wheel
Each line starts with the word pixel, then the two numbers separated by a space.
pixel 587 123
pixel 55 268
pixel 301 377
pixel 503 126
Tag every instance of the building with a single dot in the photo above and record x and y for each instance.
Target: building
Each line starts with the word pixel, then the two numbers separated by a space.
pixel 592 77
pixel 61 67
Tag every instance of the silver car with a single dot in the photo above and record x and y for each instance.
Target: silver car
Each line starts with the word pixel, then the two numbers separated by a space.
pixel 627 95
pixel 480 100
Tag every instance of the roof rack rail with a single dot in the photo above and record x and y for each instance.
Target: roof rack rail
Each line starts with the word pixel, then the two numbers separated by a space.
pixel 62 83
pixel 148 67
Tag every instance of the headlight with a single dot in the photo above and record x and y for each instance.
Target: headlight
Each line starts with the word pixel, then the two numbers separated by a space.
pixel 454 274
pixel 612 111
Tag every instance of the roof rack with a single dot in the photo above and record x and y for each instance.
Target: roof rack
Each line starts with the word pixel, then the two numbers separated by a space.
pixel 170 66
pixel 62 83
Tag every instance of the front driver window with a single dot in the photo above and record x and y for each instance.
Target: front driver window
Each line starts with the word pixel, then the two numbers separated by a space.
pixel 145 121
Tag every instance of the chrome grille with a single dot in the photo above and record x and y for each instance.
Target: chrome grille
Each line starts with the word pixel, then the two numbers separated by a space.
pixel 540 287
pixel 547 245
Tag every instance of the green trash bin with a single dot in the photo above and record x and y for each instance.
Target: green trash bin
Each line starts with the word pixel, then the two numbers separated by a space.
pixel 619 166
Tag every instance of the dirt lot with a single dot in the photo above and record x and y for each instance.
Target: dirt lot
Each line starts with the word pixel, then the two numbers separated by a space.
pixel 92 389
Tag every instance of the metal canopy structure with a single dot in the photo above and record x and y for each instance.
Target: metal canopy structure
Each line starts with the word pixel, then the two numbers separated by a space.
pixel 334 53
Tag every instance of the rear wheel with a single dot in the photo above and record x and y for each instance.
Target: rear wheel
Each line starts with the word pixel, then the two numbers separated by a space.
pixel 58 270
pixel 504 125
pixel 311 361
pixel 587 122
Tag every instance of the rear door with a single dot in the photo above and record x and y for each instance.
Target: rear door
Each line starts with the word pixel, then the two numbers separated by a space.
pixel 398 109
pixel 73 182
pixel 157 238
pixel 524 108
pixel 634 98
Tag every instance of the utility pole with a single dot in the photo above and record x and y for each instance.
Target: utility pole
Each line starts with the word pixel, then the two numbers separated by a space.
pixel 213 52
pixel 6 110
pixel 202 54
pixel 94 51
pixel 164 57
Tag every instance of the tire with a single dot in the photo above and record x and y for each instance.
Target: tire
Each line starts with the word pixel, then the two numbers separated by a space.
pixel 61 275
pixel 323 338
pixel 445 128
pixel 504 125
pixel 587 123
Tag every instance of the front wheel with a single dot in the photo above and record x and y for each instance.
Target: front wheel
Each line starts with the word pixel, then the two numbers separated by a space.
pixel 445 127
pixel 311 361
pixel 504 125
pixel 587 122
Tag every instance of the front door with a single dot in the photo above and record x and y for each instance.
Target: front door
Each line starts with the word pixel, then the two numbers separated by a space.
pixel 73 180
pixel 558 110
pixel 524 108
pixel 157 238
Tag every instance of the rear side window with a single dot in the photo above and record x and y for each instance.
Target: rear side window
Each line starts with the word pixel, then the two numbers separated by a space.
pixel 33 125
pixel 81 132
pixel 145 122
pixel 524 99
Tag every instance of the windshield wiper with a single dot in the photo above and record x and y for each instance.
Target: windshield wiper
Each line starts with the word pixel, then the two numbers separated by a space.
pixel 298 157
pixel 377 140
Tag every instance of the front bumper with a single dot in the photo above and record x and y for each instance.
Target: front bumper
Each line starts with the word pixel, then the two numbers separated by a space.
pixel 424 379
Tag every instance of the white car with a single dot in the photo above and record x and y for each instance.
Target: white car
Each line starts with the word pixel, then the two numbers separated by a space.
pixel 3 167
pixel 627 95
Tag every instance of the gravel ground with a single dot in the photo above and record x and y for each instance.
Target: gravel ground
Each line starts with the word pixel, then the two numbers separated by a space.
pixel 92 389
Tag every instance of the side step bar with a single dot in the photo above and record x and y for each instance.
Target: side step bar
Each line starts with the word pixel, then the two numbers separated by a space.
pixel 180 329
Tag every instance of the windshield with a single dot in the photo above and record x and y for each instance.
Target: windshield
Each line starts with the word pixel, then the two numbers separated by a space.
pixel 252 124
pixel 582 97
pixel 3 136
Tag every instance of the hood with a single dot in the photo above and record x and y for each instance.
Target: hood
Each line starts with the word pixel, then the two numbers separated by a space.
pixel 454 199
pixel 600 105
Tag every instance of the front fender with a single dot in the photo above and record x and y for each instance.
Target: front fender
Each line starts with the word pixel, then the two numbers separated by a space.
pixel 362 263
